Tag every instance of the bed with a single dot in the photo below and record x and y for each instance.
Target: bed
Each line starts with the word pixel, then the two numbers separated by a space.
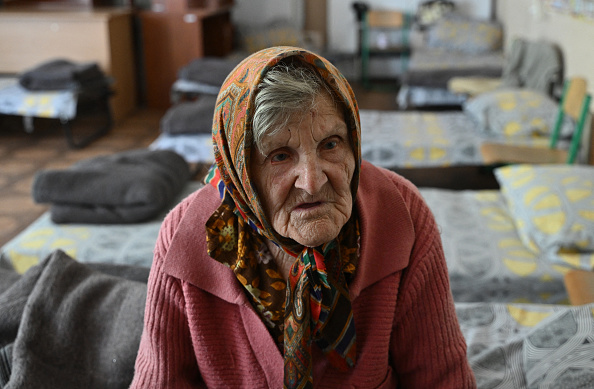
pixel 517 243
pixel 487 261
pixel 513 312
pixel 186 129
pixel 67 106
pixel 507 251
pixel 509 344
pixel 461 57
pixel 452 46
pixel 427 139
pixel 107 208
pixel 529 345
pixel 508 115
pixel 411 139
pixel 204 76
pixel 124 244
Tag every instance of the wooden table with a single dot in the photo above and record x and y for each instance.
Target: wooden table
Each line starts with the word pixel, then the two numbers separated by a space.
pixel 172 39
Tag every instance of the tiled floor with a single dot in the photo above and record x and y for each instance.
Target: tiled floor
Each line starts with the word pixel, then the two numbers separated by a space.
pixel 23 154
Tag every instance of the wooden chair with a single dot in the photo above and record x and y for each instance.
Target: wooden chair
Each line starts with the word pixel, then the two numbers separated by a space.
pixel 385 21
pixel 575 102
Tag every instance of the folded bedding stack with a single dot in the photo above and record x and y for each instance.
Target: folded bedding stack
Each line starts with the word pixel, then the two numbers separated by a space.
pixel 208 71
pixel 190 117
pixel 126 187
pixel 61 74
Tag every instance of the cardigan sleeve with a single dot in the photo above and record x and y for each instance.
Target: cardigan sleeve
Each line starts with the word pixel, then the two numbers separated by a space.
pixel 165 358
pixel 427 345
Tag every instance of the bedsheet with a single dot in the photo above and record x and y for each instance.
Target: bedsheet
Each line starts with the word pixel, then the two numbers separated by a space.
pixel 195 148
pixel 434 67
pixel 125 244
pixel 388 139
pixel 487 262
pixel 426 139
pixel 525 346
pixel 516 346
pixel 16 100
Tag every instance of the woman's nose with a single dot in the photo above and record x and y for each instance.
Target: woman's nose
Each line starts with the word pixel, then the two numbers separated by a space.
pixel 310 174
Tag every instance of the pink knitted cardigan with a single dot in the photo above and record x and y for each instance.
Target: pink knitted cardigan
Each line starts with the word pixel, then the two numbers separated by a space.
pixel 201 331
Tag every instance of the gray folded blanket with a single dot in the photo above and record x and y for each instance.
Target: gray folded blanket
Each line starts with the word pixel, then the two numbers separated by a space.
pixel 66 325
pixel 61 74
pixel 127 187
pixel 190 117
pixel 208 70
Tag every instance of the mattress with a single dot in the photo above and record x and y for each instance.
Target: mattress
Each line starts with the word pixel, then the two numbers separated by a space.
pixel 524 346
pixel 391 139
pixel 426 139
pixel 126 244
pixel 195 148
pixel 181 88
pixel 487 262
pixel 16 100
pixel 410 97
pixel 435 67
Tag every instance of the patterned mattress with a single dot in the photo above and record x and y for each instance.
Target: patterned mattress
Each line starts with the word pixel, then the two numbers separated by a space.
pixel 16 100
pixel 388 139
pixel 486 260
pixel 525 346
pixel 435 67
pixel 127 244
pixel 425 139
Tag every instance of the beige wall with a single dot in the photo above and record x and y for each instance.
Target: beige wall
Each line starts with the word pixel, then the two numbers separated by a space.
pixel 528 19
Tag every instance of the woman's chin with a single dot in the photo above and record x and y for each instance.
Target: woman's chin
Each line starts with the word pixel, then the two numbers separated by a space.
pixel 315 233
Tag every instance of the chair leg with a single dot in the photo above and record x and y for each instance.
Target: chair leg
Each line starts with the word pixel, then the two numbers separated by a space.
pixel 577 136
pixel 28 124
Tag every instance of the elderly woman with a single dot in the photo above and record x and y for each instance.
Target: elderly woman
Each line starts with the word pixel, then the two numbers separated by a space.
pixel 298 265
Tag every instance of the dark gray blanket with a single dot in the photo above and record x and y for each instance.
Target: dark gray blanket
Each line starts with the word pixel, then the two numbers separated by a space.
pixel 61 74
pixel 127 187
pixel 208 70
pixel 66 325
pixel 190 117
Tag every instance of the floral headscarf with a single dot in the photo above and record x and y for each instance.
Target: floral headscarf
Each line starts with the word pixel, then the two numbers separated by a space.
pixel 236 232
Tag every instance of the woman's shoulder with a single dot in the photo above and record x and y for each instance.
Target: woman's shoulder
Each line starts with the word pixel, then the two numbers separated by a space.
pixel 187 219
pixel 389 199
pixel 204 200
pixel 377 180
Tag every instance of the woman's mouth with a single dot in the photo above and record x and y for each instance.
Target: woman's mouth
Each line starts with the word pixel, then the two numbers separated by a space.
pixel 309 205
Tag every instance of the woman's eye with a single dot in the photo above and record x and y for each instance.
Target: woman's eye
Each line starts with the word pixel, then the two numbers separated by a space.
pixel 279 157
pixel 329 145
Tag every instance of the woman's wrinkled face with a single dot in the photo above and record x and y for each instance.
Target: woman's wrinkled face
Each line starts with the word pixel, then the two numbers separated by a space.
pixel 303 175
